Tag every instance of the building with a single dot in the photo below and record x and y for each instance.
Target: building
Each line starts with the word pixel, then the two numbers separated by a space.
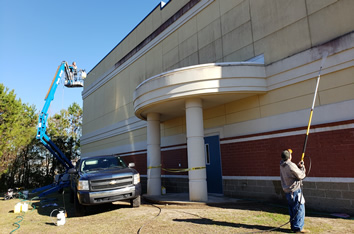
pixel 222 87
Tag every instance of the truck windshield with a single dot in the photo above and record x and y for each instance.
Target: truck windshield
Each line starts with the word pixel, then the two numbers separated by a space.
pixel 96 164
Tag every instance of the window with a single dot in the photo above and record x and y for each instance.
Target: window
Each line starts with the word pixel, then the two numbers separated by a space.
pixel 207 154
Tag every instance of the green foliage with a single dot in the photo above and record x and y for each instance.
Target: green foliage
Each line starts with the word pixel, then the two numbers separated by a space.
pixel 64 129
pixel 17 127
pixel 75 119
pixel 24 161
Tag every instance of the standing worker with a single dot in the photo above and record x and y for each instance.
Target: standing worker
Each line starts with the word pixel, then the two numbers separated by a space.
pixel 291 176
pixel 73 69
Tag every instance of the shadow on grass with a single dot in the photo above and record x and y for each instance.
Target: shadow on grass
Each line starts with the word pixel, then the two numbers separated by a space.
pixel 257 206
pixel 50 224
pixel 46 205
pixel 277 208
pixel 206 221
pixel 254 206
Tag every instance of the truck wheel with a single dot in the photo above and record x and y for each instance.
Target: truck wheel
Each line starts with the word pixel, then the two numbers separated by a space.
pixel 135 202
pixel 79 209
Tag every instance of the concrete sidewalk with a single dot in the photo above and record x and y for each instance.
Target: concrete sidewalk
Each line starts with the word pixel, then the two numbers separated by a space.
pixel 183 199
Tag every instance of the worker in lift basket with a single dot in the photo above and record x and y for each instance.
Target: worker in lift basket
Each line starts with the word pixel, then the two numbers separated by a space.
pixel 291 176
pixel 73 70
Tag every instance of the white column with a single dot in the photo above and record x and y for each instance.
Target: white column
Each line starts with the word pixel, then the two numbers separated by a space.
pixel 195 144
pixel 153 154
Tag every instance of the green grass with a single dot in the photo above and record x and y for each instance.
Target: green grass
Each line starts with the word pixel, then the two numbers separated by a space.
pixel 120 218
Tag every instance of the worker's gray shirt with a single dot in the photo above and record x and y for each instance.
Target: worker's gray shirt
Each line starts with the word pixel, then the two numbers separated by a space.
pixel 291 176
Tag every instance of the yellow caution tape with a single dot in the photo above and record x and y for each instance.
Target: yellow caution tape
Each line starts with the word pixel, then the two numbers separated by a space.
pixel 177 169
pixel 182 169
pixel 151 167
pixel 197 168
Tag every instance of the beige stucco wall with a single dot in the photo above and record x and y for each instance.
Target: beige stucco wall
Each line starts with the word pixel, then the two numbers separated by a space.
pixel 334 87
pixel 145 28
pixel 122 139
pixel 224 31
pixel 173 127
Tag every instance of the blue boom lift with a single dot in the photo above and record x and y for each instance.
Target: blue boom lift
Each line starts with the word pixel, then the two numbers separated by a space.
pixel 73 78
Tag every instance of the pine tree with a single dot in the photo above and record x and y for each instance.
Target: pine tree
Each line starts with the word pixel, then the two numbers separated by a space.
pixel 24 161
pixel 17 125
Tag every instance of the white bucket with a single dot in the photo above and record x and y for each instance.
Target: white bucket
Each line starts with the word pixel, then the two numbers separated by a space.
pixel 24 207
pixel 60 218
pixel 17 208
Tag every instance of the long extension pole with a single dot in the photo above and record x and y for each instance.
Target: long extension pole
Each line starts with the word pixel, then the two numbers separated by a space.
pixel 324 56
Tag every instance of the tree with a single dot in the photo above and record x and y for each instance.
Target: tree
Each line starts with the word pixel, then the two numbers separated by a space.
pixel 17 127
pixel 24 161
pixel 64 129
pixel 75 119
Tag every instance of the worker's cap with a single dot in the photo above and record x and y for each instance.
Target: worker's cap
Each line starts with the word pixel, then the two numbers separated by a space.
pixel 285 155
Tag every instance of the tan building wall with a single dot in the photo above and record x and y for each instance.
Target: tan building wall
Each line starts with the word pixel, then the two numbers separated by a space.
pixel 191 46
pixel 335 87
pixel 222 31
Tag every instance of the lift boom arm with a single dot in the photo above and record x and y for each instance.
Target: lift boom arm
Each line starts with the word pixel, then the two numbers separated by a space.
pixel 42 122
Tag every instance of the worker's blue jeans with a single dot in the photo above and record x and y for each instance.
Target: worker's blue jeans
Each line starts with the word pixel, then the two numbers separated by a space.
pixel 296 210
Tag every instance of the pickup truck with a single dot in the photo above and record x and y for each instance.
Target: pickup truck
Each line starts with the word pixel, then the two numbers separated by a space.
pixel 103 179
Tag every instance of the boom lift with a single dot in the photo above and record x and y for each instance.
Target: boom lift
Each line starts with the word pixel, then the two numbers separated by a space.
pixel 73 78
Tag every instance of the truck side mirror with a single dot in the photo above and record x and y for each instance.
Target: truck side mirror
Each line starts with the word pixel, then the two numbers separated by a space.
pixel 72 171
pixel 131 165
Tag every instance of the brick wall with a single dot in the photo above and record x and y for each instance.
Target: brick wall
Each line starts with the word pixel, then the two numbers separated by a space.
pixel 175 185
pixel 319 196
pixel 331 197
pixel 140 161
pixel 172 184
pixel 253 189
pixel 331 154
pixel 174 159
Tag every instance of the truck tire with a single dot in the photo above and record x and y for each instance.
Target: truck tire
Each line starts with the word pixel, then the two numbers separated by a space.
pixel 135 202
pixel 79 209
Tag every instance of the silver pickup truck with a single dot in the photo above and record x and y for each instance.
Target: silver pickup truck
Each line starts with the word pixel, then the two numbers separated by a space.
pixel 103 179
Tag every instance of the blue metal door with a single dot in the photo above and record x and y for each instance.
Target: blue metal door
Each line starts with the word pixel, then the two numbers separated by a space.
pixel 213 164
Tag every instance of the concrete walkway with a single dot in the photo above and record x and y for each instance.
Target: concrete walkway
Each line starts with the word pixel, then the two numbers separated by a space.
pixel 183 199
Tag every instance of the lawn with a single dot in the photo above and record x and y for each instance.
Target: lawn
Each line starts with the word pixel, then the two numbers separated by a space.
pixel 242 217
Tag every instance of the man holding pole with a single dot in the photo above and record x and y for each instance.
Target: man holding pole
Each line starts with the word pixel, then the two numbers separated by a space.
pixel 291 176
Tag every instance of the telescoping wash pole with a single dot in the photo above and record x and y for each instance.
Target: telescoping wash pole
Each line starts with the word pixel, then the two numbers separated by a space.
pixel 324 56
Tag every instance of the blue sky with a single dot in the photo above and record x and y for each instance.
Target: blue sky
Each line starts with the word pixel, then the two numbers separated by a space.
pixel 37 35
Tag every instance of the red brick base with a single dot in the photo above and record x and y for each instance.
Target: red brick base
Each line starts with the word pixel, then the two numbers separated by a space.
pixel 331 154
